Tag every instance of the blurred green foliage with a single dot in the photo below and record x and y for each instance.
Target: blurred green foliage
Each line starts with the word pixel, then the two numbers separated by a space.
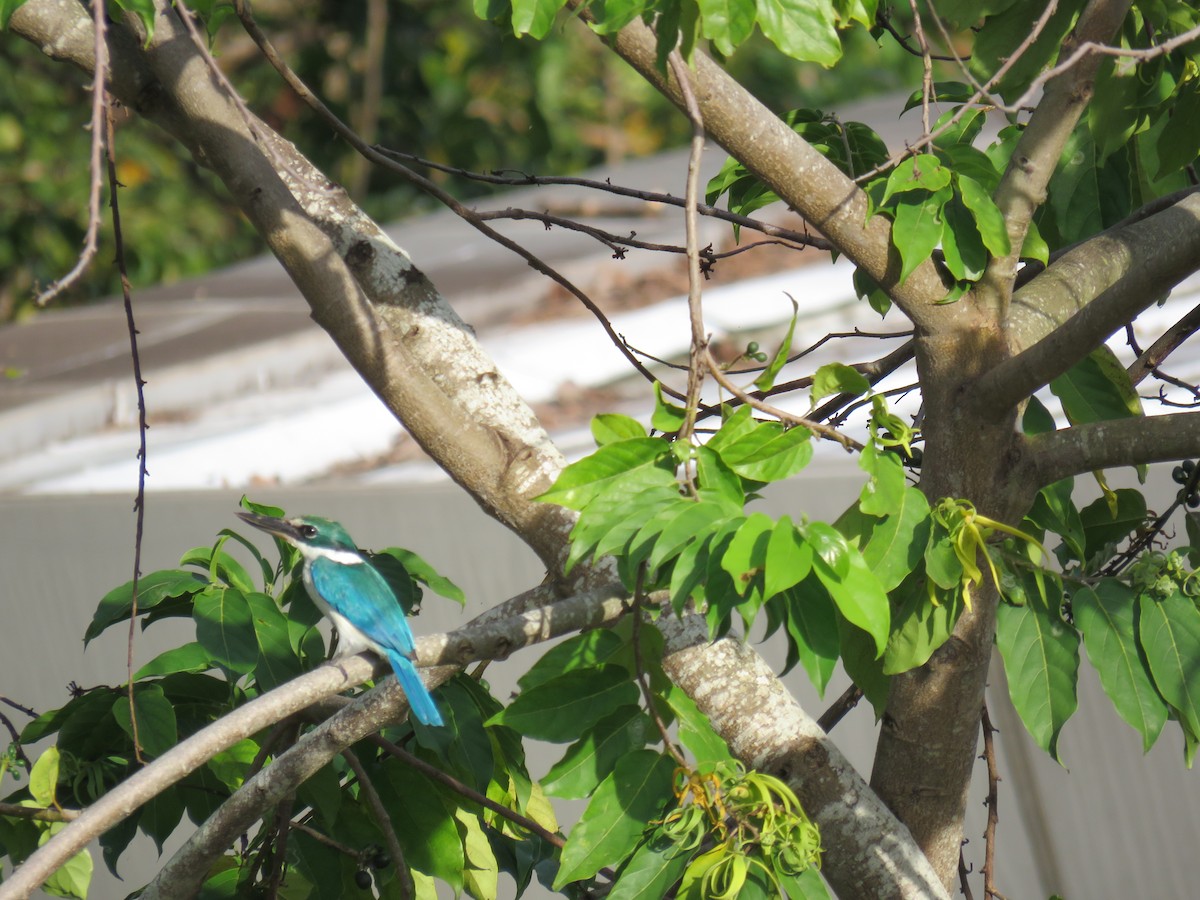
pixel 454 89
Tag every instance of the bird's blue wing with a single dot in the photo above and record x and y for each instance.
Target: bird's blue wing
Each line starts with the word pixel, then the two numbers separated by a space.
pixel 362 596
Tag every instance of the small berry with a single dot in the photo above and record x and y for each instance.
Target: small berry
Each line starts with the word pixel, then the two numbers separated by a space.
pixel 1193 501
pixel 363 879
pixel 1179 476
pixel 381 860
pixel 752 348
pixel 761 357
pixel 1189 466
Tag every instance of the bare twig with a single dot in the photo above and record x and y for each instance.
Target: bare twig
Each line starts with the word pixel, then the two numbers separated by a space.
pixel 926 65
pixel 39 813
pixel 1170 340
pixel 815 427
pixel 989 836
pixel 99 116
pixel 639 666
pixel 964 883
pixel 699 339
pixel 139 504
pixel 379 813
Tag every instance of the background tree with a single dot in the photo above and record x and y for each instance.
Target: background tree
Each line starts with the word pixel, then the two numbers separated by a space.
pixel 1014 265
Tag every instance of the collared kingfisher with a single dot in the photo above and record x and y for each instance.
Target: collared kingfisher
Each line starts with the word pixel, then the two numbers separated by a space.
pixel 355 597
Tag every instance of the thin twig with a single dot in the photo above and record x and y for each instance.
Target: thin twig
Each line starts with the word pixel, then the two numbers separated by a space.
pixel 139 504
pixel 963 871
pixel 18 707
pixel 100 114
pixel 640 671
pixel 926 64
pixel 989 836
pixel 39 813
pixel 16 740
pixel 325 839
pixel 884 21
pixel 1170 340
pixel 496 177
pixel 436 774
pixel 283 821
pixel 699 339
pixel 815 427
pixel 379 813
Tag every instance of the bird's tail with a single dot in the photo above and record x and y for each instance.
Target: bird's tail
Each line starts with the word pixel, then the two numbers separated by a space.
pixel 419 701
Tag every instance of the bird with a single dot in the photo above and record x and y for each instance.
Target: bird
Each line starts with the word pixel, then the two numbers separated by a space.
pixel 355 597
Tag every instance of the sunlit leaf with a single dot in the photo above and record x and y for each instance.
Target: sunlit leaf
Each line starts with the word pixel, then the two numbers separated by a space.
pixel 563 708
pixel 617 814
pixel 1169 631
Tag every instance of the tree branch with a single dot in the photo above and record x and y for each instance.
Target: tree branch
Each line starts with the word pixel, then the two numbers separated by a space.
pixel 827 199
pixel 1022 188
pixel 1072 307
pixel 1119 442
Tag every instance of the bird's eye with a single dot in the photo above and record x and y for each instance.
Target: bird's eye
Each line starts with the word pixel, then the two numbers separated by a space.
pixel 307 531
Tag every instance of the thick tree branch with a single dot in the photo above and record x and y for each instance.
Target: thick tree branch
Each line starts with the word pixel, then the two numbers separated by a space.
pixel 1084 297
pixel 827 199
pixel 870 853
pixel 1121 442
pixel 1022 188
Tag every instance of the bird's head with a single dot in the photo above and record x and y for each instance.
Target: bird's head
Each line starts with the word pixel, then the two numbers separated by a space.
pixel 311 535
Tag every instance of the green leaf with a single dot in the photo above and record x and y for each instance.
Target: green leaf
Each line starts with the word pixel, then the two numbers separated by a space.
pixel 746 554
pixel 1006 30
pixel 766 380
pixel 667 417
pixel 897 543
pixel 923 172
pixel 801 29
pixel 607 428
pixel 563 708
pixel 7 8
pixel 988 219
pixel 884 490
pixel 651 871
pixel 808 885
pixel 727 23
pixel 1101 527
pixel 534 17
pixel 838 378
pixel 156 728
pixel 1169 631
pixel 1097 389
pixel 1179 141
pixel 220 565
pixel 864 665
pixel 424 823
pixel 812 628
pixel 587 650
pixel 616 816
pixel 1108 620
pixel 277 661
pixel 161 816
pixel 423 572
pixel 788 558
pixel 918 228
pixel 153 589
pixel 591 759
pixel 695 730
pixel 481 873
pixel 43 778
pixel 1054 510
pixel 581 482
pixel 73 877
pixel 851 584
pixel 1041 662
pixel 918 627
pixel 719 482
pixel 770 452
pixel 690 522
pixel 225 628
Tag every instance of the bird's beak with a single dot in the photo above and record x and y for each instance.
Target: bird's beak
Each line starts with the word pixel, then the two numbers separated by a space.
pixel 279 527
